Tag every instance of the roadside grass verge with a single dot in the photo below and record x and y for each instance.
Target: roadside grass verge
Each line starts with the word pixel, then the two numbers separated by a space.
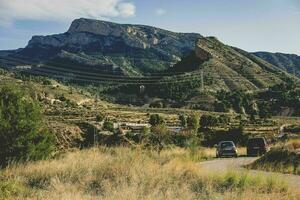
pixel 280 159
pixel 124 173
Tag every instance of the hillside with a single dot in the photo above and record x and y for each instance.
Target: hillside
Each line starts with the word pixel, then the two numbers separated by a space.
pixel 230 68
pixel 289 62
pixel 115 61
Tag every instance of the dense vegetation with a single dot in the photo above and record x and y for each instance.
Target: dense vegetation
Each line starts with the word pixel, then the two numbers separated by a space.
pixel 22 135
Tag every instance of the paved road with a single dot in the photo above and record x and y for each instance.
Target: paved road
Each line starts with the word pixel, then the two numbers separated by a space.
pixel 225 164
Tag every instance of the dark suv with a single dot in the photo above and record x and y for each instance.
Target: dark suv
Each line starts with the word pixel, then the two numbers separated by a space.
pixel 257 146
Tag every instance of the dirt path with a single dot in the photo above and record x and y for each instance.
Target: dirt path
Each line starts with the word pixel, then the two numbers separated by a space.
pixel 230 164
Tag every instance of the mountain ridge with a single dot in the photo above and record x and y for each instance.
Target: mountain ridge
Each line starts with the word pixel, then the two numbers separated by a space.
pixel 288 62
pixel 94 50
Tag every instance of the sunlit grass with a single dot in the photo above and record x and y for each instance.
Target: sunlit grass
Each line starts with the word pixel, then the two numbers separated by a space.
pixel 124 173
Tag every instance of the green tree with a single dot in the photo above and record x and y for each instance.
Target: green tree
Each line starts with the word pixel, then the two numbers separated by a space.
pixel 264 110
pixel 193 122
pixel 108 125
pixel 158 138
pixel 208 121
pixel 183 120
pixel 156 119
pixel 22 135
pixel 100 117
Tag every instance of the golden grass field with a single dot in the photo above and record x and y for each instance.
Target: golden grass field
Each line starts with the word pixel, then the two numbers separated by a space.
pixel 124 173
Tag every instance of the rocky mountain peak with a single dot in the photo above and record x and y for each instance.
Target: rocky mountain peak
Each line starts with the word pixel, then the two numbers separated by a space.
pixel 96 27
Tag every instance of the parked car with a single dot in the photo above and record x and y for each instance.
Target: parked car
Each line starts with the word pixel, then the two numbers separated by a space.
pixel 257 146
pixel 226 148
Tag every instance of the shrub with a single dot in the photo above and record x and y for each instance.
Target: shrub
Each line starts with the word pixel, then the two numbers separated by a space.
pixel 193 122
pixel 156 119
pixel 22 136
pixel 158 138
pixel 100 117
pixel 108 125
pixel 183 120
pixel 208 121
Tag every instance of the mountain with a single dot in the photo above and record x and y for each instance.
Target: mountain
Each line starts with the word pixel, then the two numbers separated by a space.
pixel 289 62
pixel 110 47
pixel 230 68
pixel 181 65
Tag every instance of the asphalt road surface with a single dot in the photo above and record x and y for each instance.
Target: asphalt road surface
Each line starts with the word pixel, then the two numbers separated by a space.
pixel 232 164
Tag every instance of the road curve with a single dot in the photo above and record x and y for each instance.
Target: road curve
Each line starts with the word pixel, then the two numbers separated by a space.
pixel 230 164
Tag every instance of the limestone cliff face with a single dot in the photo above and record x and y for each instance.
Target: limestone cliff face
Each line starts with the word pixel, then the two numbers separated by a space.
pixel 137 47
pixel 83 32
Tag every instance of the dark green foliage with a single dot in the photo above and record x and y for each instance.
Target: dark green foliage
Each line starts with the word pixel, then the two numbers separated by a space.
pixel 158 138
pixel 156 119
pixel 224 120
pixel 193 122
pixel 183 120
pixel 108 125
pixel 208 121
pixel 100 117
pixel 236 100
pixel 22 136
pixel 156 104
pixel 264 110
pixel 235 134
pixel 279 96
pixel 62 98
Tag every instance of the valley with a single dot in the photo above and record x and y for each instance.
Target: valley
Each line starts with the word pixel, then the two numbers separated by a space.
pixel 122 111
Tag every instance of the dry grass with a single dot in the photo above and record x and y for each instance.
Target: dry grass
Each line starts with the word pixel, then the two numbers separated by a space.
pixel 123 173
pixel 293 145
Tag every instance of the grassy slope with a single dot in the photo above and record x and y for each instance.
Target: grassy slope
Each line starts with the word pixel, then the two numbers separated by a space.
pixel 281 159
pixel 122 173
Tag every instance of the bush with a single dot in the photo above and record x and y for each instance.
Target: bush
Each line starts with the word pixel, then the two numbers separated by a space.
pixel 208 121
pixel 193 122
pixel 108 125
pixel 156 119
pixel 183 120
pixel 22 136
pixel 100 117
pixel 158 138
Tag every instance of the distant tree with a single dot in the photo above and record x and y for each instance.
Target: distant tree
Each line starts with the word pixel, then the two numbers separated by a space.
pixel 183 120
pixel 22 135
pixel 156 119
pixel 223 119
pixel 108 125
pixel 193 122
pixel 158 138
pixel 100 117
pixel 208 121
pixel 264 110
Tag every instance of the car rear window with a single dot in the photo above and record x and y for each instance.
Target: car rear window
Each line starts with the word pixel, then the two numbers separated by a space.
pixel 256 142
pixel 226 144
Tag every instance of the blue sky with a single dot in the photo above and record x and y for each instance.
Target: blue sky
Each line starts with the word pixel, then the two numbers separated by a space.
pixel 253 25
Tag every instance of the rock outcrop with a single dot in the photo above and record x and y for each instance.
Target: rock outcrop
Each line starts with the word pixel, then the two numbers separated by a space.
pixel 135 47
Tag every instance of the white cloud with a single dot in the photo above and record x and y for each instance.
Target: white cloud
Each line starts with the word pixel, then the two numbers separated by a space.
pixel 126 9
pixel 62 10
pixel 160 12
